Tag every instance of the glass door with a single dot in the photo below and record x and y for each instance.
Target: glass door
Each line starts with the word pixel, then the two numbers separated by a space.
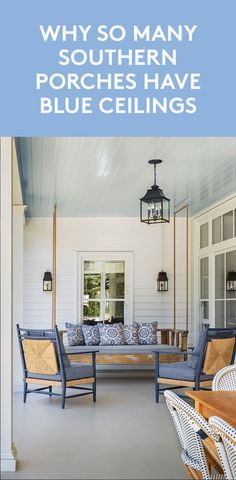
pixel 225 300
pixel 204 289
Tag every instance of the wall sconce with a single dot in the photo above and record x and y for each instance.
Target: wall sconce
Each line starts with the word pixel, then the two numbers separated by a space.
pixel 47 282
pixel 231 282
pixel 162 282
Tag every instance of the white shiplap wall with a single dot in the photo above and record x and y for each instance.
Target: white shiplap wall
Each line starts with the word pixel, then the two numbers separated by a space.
pixel 152 248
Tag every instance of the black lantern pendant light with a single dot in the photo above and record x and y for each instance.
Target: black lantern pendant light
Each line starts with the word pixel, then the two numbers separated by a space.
pixel 154 206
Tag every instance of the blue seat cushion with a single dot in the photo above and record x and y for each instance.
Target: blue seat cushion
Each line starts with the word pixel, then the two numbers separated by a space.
pixel 75 371
pixel 180 371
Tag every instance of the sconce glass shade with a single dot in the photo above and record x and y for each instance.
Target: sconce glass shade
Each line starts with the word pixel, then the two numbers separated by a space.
pixel 231 282
pixel 47 282
pixel 162 282
pixel 154 205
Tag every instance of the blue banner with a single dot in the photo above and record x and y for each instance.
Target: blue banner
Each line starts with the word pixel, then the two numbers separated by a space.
pixel 124 68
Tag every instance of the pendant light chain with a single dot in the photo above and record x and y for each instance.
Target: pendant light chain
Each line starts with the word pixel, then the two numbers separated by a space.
pixel 155 174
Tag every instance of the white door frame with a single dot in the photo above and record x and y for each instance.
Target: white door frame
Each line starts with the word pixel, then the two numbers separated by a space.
pixel 225 206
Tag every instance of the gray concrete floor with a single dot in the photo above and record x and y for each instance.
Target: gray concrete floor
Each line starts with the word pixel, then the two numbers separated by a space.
pixel 125 435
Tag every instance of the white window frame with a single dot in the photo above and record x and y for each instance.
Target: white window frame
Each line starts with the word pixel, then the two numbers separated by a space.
pixel 211 251
pixel 108 256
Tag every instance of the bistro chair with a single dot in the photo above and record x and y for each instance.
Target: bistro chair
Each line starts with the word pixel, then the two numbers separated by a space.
pixel 225 441
pixel 215 350
pixel 46 363
pixel 192 430
pixel 225 379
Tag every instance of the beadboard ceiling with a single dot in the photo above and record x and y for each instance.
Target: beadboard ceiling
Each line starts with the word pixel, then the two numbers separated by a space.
pixel 96 176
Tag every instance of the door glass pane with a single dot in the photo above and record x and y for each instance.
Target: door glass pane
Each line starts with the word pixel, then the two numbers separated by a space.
pixel 235 223
pixel 204 235
pixel 230 267
pixel 216 230
pixel 219 276
pixel 91 310
pixel 219 314
pixel 231 313
pixel 93 266
pixel 228 225
pixel 204 278
pixel 114 280
pixel 92 286
pixel 114 311
pixel 205 312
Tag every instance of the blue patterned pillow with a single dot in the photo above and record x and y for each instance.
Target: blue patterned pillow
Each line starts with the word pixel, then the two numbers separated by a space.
pixel 75 334
pixel 130 334
pixel 111 334
pixel 91 334
pixel 147 333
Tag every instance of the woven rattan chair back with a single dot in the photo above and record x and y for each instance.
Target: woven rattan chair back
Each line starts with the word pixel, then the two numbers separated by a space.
pixel 192 429
pixel 225 379
pixel 225 441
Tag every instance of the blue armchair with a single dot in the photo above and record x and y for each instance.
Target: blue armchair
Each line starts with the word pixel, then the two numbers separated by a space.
pixel 46 363
pixel 215 349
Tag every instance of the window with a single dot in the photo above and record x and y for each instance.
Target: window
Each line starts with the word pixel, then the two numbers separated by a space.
pixel 105 287
pixel 204 235
pixel 204 287
pixel 228 225
pixel 225 301
pixel 104 291
pixel 216 230
pixel 223 227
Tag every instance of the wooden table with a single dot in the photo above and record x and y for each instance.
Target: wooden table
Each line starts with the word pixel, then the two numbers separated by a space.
pixel 222 404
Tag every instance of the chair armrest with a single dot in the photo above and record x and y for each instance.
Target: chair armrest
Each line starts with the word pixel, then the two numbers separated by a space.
pixel 171 352
pixel 81 353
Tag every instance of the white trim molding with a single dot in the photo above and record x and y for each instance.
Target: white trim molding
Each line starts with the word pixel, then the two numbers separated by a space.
pixel 210 251
pixel 8 451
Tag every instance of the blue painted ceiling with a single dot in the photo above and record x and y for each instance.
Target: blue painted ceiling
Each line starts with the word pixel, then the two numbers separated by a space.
pixel 96 176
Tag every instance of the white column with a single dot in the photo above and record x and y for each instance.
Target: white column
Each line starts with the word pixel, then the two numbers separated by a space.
pixel 8 451
pixel 18 251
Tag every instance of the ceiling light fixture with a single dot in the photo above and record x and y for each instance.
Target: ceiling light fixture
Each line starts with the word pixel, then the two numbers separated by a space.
pixel 154 206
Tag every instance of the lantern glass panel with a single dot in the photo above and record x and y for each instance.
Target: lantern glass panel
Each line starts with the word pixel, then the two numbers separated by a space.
pixel 155 211
pixel 163 286
pixel 47 286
